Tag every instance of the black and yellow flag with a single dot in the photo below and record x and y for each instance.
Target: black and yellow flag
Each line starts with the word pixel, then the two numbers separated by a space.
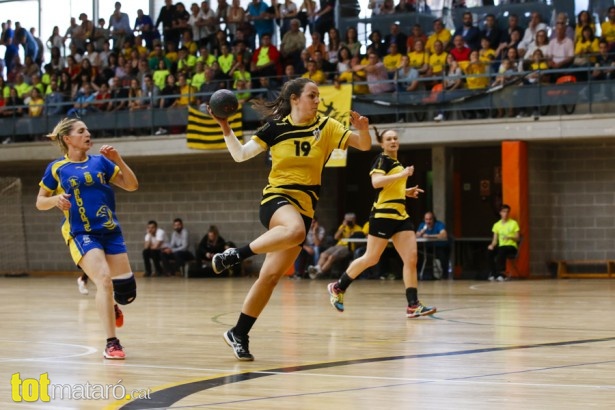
pixel 203 132
pixel 336 103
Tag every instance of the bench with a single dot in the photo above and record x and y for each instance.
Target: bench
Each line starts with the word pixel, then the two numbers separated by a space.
pixel 586 269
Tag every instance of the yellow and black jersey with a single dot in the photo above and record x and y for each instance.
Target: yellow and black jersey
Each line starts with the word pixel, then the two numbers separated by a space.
pixel 298 154
pixel 390 200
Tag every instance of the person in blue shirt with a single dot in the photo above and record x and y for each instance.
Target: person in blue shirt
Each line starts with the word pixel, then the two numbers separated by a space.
pixel 434 229
pixel 79 185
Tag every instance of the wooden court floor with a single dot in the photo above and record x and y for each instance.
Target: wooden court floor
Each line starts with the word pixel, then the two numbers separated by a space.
pixel 514 345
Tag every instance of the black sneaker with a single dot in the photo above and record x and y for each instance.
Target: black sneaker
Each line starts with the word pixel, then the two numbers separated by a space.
pixel 225 260
pixel 239 345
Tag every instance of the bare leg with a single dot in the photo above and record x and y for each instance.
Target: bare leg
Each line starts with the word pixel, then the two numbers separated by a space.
pixel 95 265
pixel 375 247
pixel 286 229
pixel 405 245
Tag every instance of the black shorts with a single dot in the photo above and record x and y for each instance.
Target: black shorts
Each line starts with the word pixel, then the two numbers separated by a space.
pixel 267 210
pixel 385 228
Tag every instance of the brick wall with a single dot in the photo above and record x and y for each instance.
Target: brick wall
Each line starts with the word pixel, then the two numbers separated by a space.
pixel 202 190
pixel 572 200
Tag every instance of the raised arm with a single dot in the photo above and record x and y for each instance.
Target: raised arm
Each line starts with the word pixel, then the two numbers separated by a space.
pixel 362 139
pixel 126 178
pixel 240 152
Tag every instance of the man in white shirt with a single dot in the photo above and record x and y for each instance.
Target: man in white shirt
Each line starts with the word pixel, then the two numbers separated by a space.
pixel 177 250
pixel 561 49
pixel 155 240
pixel 529 37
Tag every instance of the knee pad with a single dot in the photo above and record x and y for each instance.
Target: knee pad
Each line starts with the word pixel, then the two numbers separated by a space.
pixel 125 290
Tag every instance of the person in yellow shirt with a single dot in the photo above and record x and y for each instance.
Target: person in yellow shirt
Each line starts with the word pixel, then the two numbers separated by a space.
pixel 504 245
pixel 392 60
pixel 486 54
pixel 186 62
pixel 355 74
pixel 437 60
pixel 476 73
pixel 608 28
pixel 586 49
pixel 186 91
pixel 313 73
pixel 538 65
pixel 439 34
pixel 226 59
pixel 419 58
pixel 583 19
pixel 198 78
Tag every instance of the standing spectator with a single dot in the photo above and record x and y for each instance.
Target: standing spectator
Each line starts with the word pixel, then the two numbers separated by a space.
pixel 180 20
pixel 285 12
pixel 119 24
pixel 145 25
pixel 396 36
pixel 155 240
pixel 310 249
pixel 72 32
pixel 101 37
pixel 178 250
pixel 209 23
pixel 324 18
pixel 235 19
pixel 504 245
pixel 166 16
pixel 259 14
pixel 27 41
pixel 41 47
pixel 196 23
pixel 491 32
pixel 469 33
pixel 55 40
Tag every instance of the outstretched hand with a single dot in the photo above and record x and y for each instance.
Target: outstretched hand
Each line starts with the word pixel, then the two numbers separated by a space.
pixel 358 121
pixel 414 191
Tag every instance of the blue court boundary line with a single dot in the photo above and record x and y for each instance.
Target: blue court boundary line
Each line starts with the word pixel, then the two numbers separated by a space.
pixel 167 397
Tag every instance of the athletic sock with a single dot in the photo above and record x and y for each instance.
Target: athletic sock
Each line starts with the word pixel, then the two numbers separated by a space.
pixel 244 325
pixel 412 296
pixel 343 282
pixel 245 252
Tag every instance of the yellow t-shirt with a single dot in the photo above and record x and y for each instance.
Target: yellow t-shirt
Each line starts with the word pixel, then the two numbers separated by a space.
pixel 437 62
pixel 505 230
pixel 486 56
pixel 391 62
pixel 226 62
pixel 578 31
pixel 608 31
pixel 418 59
pixel 187 95
pixel 475 83
pixel 263 57
pixel 444 36
pixel 591 47
pixel 539 66
pixel 318 77
pixel 390 200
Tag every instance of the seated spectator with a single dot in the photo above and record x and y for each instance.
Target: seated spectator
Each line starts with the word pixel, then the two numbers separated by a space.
pixel 416 33
pixel 293 41
pixel 431 228
pixel 377 75
pixel 36 104
pixel 513 41
pixel 476 73
pixel 313 73
pixel 608 29
pixel 605 63
pixel 120 27
pixel 460 52
pixel 538 66
pixel 504 245
pixel 503 99
pixel 439 34
pixel 453 80
pixel 310 250
pixel 541 43
pixel 176 254
pixel 533 28
pixel 317 45
pixel 160 74
pixel 392 60
pixel 419 58
pixel 351 41
pixel 324 65
pixel 186 62
pixel 54 100
pixel 243 88
pixel 562 17
pixel 343 60
pixel 119 95
pixel 226 60
pixel 377 44
pixel 102 101
pixel 468 32
pixel 333 45
pixel 211 244
pixel 355 75
pixel 186 91
pixel 341 250
pixel 266 59
pixel 406 77
pixel 84 102
pixel 437 60
pixel 585 50
pixel 150 92
pixel 155 239
pixel 210 86
pixel 134 96
pixel 491 32
pixel 168 94
pixel 486 54
pixel 584 19
pixel 156 56
pixel 561 48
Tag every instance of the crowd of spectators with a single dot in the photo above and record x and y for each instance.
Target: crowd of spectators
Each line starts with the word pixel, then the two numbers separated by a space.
pixel 186 54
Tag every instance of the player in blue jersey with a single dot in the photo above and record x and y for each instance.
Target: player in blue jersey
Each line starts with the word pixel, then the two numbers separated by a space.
pixel 79 185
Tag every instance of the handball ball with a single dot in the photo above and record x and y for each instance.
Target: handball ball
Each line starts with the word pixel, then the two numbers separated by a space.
pixel 223 103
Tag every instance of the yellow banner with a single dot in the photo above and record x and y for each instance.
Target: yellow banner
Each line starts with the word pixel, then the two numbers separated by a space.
pixel 203 132
pixel 336 103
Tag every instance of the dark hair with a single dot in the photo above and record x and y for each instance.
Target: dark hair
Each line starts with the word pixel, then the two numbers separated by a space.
pixel 178 220
pixel 280 107
pixel 505 206
pixel 380 134
pixel 152 222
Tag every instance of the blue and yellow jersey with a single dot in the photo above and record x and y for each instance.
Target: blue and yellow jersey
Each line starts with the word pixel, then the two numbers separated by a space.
pixel 298 154
pixel 390 200
pixel 92 198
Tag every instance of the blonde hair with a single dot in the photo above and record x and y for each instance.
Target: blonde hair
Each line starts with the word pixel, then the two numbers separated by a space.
pixel 60 130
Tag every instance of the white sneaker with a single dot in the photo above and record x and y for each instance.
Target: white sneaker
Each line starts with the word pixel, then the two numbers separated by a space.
pixel 438 117
pixel 161 131
pixel 313 271
pixel 82 286
pixel 491 278
pixel 501 278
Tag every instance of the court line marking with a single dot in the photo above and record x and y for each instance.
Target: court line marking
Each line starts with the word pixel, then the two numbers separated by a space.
pixel 165 398
pixel 88 351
